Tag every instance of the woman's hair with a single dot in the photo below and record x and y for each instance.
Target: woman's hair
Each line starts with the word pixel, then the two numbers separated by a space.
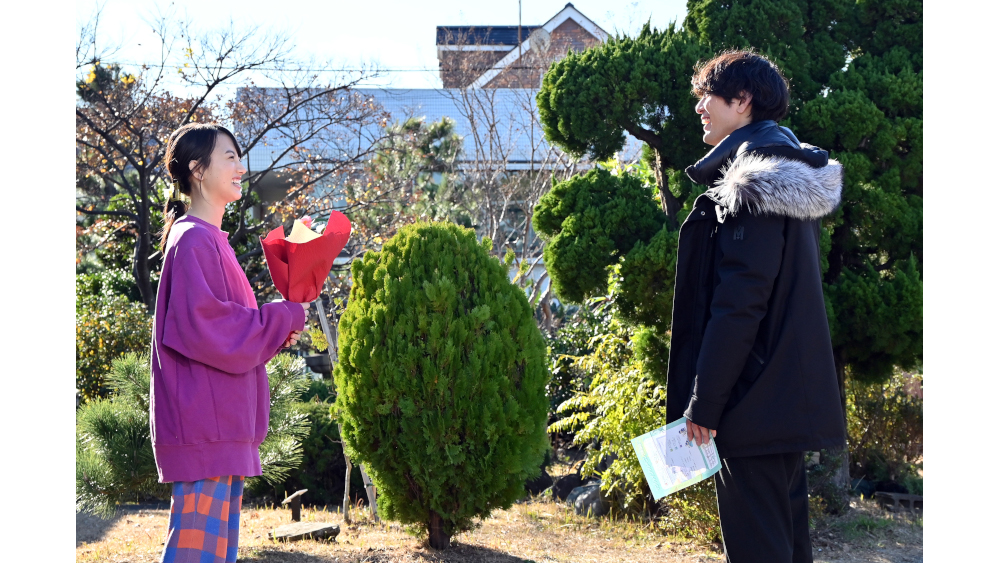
pixel 194 141
pixel 735 73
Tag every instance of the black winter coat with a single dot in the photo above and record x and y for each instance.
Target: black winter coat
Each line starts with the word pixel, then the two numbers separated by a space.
pixel 750 352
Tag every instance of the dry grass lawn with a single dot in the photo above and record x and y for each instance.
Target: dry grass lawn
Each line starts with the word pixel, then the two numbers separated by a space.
pixel 536 531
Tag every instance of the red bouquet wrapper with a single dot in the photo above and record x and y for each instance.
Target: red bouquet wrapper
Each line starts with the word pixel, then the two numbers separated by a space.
pixel 299 269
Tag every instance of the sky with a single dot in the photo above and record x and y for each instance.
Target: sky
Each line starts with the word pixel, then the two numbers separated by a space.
pixel 399 35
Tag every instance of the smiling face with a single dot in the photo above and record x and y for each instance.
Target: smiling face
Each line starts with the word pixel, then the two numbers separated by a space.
pixel 220 181
pixel 719 118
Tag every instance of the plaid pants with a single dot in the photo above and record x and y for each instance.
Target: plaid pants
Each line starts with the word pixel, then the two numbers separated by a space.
pixel 204 524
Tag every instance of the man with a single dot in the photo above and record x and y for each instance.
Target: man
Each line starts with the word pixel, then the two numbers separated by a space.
pixel 751 362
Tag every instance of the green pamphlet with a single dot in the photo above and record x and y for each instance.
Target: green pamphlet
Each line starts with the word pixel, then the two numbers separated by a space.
pixel 669 463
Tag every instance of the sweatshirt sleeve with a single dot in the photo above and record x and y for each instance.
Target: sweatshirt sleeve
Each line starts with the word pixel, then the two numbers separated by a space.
pixel 752 248
pixel 202 324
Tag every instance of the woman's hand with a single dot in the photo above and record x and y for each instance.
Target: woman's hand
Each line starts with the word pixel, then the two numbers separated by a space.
pixel 292 339
pixel 699 435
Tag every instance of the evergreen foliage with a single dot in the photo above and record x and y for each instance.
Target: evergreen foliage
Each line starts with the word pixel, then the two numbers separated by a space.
pixel 589 222
pixel 885 430
pixel 108 325
pixel 869 116
pixel 322 467
pixel 872 121
pixel 805 38
pixel 620 403
pixel 114 453
pixel 441 379
pixel 641 85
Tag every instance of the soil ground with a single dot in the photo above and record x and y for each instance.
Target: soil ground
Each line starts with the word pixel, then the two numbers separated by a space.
pixel 535 530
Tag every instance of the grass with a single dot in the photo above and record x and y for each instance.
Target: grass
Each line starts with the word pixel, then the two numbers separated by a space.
pixel 863 525
pixel 536 530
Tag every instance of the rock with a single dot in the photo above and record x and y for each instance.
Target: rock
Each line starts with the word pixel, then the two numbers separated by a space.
pixel 305 530
pixel 606 462
pixel 588 500
pixel 863 487
pixel 813 460
pixel 539 484
pixel 562 487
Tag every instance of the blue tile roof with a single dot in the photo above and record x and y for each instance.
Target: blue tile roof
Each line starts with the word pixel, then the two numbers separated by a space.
pixel 515 133
pixel 482 35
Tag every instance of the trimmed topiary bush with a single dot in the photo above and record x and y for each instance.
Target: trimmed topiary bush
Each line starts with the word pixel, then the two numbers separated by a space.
pixel 441 379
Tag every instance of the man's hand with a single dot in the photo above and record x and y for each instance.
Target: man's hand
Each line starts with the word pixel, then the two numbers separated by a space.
pixel 699 435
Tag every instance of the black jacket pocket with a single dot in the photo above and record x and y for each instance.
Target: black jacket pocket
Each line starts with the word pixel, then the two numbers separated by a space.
pixel 751 371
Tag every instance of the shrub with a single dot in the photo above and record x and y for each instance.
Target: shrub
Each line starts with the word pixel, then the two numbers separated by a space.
pixel 108 325
pixel 620 404
pixel 693 513
pixel 885 430
pixel 565 346
pixel 623 402
pixel 441 379
pixel 114 453
pixel 322 467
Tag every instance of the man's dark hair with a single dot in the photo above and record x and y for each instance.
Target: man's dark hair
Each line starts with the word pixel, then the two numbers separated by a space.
pixel 734 73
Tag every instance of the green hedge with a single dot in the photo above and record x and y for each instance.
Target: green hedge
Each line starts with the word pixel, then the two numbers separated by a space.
pixel 108 325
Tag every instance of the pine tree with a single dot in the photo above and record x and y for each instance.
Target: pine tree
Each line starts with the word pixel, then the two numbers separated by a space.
pixel 868 115
pixel 441 379
pixel 589 101
pixel 114 453
pixel 872 121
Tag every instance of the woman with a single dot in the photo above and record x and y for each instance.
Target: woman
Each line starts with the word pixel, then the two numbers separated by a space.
pixel 210 402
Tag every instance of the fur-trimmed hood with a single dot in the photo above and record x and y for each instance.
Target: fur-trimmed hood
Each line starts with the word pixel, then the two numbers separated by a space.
pixel 774 185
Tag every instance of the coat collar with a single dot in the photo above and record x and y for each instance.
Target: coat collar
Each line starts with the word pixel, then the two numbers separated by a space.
pixel 773 185
pixel 759 134
pixel 764 168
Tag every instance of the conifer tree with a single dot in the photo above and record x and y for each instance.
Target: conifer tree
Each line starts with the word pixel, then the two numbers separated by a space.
pixel 441 379
pixel 114 453
pixel 589 101
pixel 872 121
pixel 868 115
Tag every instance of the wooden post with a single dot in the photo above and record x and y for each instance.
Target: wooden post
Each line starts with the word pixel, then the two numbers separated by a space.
pixel 370 489
pixel 331 349
pixel 347 479
pixel 295 502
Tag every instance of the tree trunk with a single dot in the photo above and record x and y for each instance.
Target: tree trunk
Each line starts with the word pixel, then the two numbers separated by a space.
pixel 140 267
pixel 671 205
pixel 437 537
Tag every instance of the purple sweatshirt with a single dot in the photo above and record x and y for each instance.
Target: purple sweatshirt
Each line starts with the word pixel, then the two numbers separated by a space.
pixel 210 402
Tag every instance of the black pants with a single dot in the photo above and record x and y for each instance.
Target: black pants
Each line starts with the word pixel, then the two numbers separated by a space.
pixel 764 509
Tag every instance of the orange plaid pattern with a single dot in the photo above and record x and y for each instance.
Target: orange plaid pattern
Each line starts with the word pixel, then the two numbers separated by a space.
pixel 204 522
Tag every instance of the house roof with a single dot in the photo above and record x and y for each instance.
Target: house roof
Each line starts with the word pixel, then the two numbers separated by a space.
pixel 517 137
pixel 568 12
pixel 482 34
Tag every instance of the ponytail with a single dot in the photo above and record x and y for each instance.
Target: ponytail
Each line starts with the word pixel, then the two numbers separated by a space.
pixel 172 211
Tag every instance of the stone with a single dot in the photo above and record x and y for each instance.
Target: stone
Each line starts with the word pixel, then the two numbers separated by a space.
pixel 606 462
pixel 539 484
pixel 588 500
pixel 305 530
pixel 898 501
pixel 562 487
pixel 812 460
